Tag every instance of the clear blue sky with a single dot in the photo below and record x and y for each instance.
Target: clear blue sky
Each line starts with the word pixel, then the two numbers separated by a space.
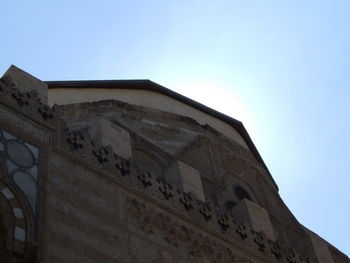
pixel 281 67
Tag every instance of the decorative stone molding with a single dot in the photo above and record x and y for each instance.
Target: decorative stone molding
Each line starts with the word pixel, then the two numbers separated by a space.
pixel 199 212
pixel 23 126
pixel 25 116
pixel 178 236
pixel 27 83
pixel 256 216
pixel 28 105
pixel 204 215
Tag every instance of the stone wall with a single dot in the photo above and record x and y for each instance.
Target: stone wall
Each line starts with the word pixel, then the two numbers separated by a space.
pixel 117 203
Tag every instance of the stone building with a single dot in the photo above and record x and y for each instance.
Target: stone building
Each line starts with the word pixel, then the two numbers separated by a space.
pixel 129 171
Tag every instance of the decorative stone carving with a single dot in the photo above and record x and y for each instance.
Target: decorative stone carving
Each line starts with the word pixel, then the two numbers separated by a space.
pixel 105 133
pixel 122 164
pixel 226 221
pixel 206 210
pixel 259 240
pixel 46 112
pixel 165 189
pixel 193 227
pixel 293 257
pixel 76 140
pixel 181 237
pixel 256 216
pixel 185 178
pixel 101 155
pixel 22 98
pixel 275 249
pixel 145 179
pixel 159 189
pixel 186 199
pixel 25 127
pixel 27 83
pixel 241 230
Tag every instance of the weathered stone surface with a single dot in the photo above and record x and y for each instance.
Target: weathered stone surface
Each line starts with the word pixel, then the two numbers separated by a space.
pixel 186 178
pixel 106 133
pixel 83 210
pixel 26 82
pixel 23 126
pixel 142 199
pixel 321 249
pixel 256 216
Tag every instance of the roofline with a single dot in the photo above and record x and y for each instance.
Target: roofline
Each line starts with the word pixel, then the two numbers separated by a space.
pixel 145 84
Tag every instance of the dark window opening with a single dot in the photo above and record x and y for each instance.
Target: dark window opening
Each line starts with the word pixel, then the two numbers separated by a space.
pixel 241 193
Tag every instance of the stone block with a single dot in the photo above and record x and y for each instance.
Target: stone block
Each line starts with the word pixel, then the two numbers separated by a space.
pixel 106 133
pixel 321 249
pixel 186 178
pixel 256 216
pixel 26 82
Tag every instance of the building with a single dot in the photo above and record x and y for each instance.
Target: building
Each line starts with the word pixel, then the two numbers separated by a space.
pixel 129 171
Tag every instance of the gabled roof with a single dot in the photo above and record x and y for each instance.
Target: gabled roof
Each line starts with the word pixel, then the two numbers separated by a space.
pixel 145 84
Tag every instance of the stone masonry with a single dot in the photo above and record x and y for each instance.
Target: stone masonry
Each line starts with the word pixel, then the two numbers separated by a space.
pixel 115 181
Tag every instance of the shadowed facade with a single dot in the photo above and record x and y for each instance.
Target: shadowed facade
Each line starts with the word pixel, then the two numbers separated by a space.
pixel 129 171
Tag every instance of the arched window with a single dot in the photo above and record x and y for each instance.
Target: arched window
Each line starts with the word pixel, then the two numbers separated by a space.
pixel 22 162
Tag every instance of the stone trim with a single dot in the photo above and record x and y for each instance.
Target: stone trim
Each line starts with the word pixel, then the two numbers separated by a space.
pixel 201 214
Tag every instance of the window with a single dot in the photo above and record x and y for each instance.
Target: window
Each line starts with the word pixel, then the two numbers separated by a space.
pixel 241 193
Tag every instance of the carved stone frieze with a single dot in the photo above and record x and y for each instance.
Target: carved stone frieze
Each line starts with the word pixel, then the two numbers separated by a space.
pixel 294 257
pixel 101 154
pixel 178 236
pixel 226 222
pixel 186 199
pixel 76 140
pixel 122 164
pixel 199 212
pixel 206 210
pixel 259 240
pixel 27 104
pixel 165 188
pixel 20 124
pixel 145 179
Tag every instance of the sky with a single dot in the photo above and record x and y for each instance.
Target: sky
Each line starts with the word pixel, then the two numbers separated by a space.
pixel 280 67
